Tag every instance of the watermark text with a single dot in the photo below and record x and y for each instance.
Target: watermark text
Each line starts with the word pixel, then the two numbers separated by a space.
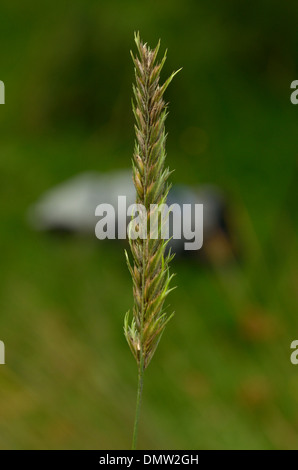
pixel 294 95
pixel 159 221
pixel 2 93
pixel 2 353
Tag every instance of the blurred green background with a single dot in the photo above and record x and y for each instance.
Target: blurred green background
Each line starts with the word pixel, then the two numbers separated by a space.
pixel 222 376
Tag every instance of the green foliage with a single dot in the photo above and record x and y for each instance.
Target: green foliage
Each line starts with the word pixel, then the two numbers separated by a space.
pixel 223 378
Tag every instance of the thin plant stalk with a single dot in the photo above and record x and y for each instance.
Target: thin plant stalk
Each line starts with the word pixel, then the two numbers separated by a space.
pixel 150 269
pixel 138 406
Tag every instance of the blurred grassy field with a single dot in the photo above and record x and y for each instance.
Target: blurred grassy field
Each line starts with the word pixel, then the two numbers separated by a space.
pixel 222 376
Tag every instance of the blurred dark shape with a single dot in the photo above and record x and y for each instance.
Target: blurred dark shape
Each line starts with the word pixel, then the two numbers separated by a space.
pixel 70 207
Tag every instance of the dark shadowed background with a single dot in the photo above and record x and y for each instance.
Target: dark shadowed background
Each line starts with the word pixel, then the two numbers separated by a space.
pixel 222 376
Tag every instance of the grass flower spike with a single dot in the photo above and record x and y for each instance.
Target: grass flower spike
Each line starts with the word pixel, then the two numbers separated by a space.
pixel 150 267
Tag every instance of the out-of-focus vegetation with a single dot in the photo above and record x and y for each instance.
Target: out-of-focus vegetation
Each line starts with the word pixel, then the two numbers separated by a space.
pixel 222 377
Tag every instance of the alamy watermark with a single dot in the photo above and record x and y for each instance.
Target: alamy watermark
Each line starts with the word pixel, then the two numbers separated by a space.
pixel 294 95
pixel 2 93
pixel 2 353
pixel 294 355
pixel 162 221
